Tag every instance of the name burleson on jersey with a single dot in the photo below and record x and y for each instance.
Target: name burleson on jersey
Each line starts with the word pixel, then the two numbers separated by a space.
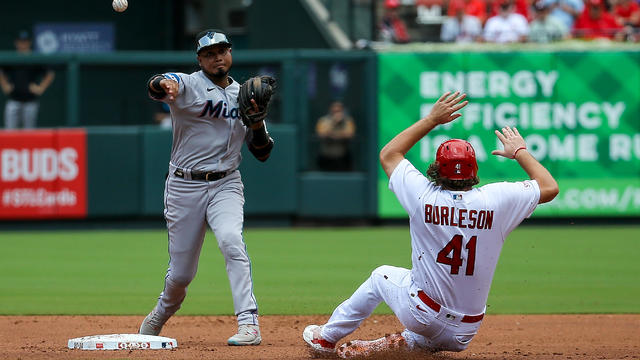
pixel 462 218
pixel 219 110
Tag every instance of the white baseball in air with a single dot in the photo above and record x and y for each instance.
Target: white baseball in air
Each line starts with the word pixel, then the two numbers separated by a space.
pixel 119 5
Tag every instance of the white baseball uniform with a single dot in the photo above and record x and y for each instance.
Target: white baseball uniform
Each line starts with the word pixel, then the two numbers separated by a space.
pixel 456 239
pixel 207 137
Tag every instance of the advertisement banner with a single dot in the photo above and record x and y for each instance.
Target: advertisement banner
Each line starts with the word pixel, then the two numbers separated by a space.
pixel 579 113
pixel 43 174
pixel 74 37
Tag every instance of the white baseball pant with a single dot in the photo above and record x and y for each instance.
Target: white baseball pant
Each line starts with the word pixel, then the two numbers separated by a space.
pixel 393 285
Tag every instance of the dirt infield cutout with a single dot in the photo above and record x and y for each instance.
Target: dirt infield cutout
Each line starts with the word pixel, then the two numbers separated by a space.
pixel 204 337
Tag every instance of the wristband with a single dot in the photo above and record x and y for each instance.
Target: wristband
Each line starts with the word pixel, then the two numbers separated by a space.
pixel 260 137
pixel 155 90
pixel 155 84
pixel 518 149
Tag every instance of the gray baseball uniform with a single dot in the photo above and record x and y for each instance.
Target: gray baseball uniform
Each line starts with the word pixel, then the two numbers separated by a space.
pixel 207 137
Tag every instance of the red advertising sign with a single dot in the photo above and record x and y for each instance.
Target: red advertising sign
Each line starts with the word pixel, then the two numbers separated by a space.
pixel 43 174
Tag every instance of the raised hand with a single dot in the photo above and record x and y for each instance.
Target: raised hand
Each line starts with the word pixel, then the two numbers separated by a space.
pixel 443 110
pixel 512 142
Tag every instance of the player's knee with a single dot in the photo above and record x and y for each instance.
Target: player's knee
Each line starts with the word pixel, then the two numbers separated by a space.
pixel 231 244
pixel 382 270
pixel 180 281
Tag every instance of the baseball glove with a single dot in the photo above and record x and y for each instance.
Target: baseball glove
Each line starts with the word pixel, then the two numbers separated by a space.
pixel 260 89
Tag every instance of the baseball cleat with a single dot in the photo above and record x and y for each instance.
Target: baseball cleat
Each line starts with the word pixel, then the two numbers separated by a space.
pixel 247 335
pixel 363 348
pixel 152 324
pixel 311 335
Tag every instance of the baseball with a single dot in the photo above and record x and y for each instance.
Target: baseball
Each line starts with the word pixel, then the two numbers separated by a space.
pixel 119 5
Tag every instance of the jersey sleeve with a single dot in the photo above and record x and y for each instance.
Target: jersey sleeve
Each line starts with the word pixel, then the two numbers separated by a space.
pixel 516 201
pixel 181 79
pixel 409 185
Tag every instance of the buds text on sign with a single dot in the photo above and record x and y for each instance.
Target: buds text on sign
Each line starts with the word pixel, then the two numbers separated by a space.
pixel 43 174
pixel 39 164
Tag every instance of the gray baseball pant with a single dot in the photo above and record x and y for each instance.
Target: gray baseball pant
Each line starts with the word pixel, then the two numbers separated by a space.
pixel 189 207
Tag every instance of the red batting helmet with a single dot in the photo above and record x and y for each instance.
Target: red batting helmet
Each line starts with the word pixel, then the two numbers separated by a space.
pixel 457 160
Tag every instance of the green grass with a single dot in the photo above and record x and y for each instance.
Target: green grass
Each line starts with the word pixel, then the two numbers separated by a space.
pixel 308 271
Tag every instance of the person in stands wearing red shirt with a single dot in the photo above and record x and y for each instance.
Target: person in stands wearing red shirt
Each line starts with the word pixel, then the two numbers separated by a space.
pixel 596 22
pixel 627 12
pixel 393 29
pixel 477 8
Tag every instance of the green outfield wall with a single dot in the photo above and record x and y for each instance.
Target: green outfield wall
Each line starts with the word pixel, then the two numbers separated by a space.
pixel 127 168
pixel 578 111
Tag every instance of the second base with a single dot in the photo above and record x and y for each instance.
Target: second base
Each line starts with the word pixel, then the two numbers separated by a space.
pixel 122 342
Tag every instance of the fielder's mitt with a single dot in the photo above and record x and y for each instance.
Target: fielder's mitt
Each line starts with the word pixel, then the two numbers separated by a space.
pixel 260 89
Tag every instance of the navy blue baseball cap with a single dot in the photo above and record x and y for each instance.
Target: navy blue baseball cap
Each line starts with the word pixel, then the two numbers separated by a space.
pixel 211 37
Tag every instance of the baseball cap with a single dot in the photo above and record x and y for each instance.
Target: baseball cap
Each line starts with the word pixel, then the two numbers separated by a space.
pixel 210 37
pixel 23 35
pixel 457 160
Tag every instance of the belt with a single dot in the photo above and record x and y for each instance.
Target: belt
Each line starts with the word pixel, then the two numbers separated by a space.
pixel 202 175
pixel 436 307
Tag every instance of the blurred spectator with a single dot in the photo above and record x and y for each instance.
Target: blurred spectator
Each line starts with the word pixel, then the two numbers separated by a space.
pixel 393 28
pixel 545 28
pixel 627 12
pixel 477 8
pixel 335 130
pixel 23 85
pixel 460 27
pixel 162 117
pixel 521 7
pixel 429 12
pixel 566 11
pixel 597 23
pixel 507 26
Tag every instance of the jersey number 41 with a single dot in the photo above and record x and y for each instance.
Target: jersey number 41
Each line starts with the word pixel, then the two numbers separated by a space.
pixel 455 260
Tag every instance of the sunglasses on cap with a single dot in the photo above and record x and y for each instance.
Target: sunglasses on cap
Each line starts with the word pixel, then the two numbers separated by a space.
pixel 212 38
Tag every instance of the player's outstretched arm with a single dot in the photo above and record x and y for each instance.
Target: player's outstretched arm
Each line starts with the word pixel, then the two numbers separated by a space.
pixel 164 89
pixel 442 112
pixel 516 148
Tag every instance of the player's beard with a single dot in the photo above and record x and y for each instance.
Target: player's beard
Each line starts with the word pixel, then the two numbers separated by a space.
pixel 218 74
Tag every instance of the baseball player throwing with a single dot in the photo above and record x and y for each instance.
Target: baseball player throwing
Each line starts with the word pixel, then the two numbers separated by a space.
pixel 457 233
pixel 204 185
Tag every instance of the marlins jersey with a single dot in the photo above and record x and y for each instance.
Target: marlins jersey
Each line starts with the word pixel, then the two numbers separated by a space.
pixel 207 130
pixel 457 236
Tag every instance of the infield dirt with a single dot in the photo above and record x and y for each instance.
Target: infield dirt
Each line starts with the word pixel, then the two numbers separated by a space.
pixel 204 337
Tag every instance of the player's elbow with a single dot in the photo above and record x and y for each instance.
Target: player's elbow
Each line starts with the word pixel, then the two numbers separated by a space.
pixel 385 155
pixel 384 159
pixel 263 158
pixel 549 191
pixel 389 159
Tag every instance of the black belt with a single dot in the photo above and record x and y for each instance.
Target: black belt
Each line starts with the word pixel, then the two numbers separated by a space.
pixel 202 175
